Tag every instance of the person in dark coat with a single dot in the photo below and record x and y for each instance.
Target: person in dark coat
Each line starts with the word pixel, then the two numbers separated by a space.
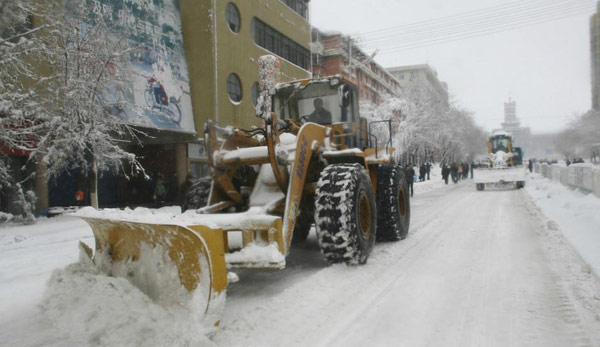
pixel 410 177
pixel 428 168
pixel 530 165
pixel 183 191
pixel 422 172
pixel 445 172
pixel 454 172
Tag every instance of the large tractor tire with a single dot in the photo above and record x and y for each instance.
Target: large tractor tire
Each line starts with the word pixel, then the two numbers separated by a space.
pixel 346 215
pixel 197 196
pixel 393 212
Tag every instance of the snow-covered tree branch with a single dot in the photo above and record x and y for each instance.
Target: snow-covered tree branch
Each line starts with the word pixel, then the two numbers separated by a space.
pixel 580 135
pixel 81 125
pixel 423 125
pixel 58 83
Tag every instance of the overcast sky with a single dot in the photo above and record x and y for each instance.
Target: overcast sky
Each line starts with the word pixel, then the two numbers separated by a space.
pixel 545 68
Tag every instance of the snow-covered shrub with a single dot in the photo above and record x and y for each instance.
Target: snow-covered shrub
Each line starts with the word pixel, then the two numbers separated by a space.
pixel 24 204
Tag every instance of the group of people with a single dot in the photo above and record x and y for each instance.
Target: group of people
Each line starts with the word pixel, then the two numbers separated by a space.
pixel 457 171
pixel 161 190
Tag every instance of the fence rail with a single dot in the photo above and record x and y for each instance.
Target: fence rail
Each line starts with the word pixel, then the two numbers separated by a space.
pixel 584 176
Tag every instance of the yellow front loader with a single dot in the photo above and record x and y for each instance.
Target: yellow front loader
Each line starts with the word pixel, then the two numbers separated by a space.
pixel 313 162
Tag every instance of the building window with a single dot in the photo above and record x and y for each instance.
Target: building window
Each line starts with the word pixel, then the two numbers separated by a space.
pixel 233 17
pixel 299 6
pixel 317 59
pixel 234 88
pixel 277 43
pixel 255 92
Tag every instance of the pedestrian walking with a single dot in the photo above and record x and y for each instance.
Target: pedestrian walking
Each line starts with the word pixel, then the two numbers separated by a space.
pixel 445 172
pixel 428 167
pixel 454 172
pixel 459 172
pixel 422 172
pixel 160 191
pixel 410 178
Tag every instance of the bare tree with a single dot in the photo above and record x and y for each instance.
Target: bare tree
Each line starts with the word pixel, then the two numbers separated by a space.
pixel 79 126
pixel 20 52
pixel 424 125
pixel 580 135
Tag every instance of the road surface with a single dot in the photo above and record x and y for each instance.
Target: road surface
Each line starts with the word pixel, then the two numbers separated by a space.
pixel 478 269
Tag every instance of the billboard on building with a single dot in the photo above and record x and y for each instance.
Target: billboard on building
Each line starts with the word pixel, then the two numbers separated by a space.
pixel 157 89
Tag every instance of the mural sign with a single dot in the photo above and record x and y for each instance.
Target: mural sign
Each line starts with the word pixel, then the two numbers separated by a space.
pixel 157 92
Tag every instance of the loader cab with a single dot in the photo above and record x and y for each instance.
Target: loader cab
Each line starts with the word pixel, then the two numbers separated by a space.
pixel 325 101
pixel 329 101
pixel 500 142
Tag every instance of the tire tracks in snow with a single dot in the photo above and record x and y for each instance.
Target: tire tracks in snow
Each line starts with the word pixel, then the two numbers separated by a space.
pixel 542 297
pixel 282 318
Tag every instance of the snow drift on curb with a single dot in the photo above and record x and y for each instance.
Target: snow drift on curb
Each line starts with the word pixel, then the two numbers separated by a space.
pixel 574 212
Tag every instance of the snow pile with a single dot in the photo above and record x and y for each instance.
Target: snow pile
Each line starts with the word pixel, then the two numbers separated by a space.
pixel 257 256
pixel 165 215
pixel 500 159
pixel 435 182
pixel 574 212
pixel 6 217
pixel 87 307
pixel 8 238
pixel 139 214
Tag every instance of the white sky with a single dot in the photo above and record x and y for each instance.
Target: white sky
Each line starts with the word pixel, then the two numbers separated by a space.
pixel 545 68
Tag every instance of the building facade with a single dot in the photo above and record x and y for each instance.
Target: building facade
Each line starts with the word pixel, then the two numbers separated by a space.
pixel 595 58
pixel 223 41
pixel 521 135
pixel 193 60
pixel 337 54
pixel 412 75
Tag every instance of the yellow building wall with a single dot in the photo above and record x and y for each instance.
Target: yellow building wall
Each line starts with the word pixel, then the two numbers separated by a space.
pixel 212 48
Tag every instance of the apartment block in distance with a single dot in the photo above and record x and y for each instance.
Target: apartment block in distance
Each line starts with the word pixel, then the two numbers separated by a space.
pixel 412 75
pixel 337 54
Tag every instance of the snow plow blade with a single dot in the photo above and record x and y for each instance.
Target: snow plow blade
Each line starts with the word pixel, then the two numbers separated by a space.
pixel 197 251
pixel 499 175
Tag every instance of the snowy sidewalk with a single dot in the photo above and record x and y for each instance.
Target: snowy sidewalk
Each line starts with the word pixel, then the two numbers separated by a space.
pixel 573 212
pixel 435 182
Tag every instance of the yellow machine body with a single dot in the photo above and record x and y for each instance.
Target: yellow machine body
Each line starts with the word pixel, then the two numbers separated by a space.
pixel 259 183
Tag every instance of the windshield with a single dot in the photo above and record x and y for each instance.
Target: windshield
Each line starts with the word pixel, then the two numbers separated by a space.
pixel 499 143
pixel 318 102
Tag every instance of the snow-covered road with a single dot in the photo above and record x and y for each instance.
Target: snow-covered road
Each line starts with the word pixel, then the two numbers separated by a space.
pixel 477 269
